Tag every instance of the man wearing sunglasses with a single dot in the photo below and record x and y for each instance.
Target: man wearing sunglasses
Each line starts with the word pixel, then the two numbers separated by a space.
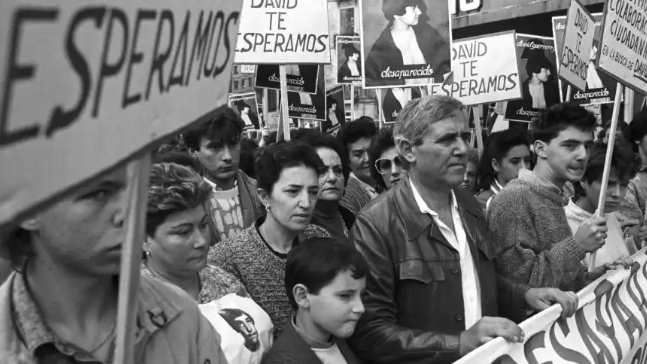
pixel 433 294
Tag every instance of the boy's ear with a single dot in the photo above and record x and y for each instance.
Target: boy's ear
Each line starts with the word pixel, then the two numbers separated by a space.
pixel 300 293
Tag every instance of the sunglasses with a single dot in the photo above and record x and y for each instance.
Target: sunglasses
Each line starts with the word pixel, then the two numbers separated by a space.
pixel 384 165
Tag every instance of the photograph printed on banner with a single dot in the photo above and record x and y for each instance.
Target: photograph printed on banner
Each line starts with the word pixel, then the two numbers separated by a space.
pixel 538 77
pixel 247 107
pixel 404 42
pixel 394 99
pixel 600 88
pixel 349 64
pixel 302 105
pixel 300 77
pixel 335 114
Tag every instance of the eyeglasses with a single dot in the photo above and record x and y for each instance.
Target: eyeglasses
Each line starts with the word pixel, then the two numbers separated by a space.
pixel 384 165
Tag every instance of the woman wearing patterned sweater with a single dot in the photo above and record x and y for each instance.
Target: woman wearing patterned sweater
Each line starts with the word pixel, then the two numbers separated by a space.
pixel 287 176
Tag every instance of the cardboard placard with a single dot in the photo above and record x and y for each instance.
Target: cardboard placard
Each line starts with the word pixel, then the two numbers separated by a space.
pixel 301 77
pixel 246 106
pixel 335 110
pixel 576 46
pixel 349 64
pixel 309 106
pixel 394 99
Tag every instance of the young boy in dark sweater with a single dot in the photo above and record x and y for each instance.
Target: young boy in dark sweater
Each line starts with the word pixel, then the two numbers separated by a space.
pixel 324 280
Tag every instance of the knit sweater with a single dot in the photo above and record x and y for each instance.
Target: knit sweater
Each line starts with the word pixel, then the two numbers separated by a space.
pixel 355 196
pixel 532 236
pixel 247 257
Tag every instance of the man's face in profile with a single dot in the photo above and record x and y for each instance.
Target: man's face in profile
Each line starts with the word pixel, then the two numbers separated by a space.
pixel 245 326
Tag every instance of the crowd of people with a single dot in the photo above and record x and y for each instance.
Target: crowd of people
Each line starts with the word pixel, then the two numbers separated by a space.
pixel 397 245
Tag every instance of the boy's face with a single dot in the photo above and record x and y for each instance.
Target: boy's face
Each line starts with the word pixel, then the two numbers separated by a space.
pixel 616 190
pixel 338 306
pixel 568 153
pixel 220 158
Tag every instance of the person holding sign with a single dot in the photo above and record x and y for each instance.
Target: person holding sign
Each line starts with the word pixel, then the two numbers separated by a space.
pixel 433 294
pixel 60 305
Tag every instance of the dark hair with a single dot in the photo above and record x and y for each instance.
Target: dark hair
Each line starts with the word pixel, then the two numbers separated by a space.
pixel 272 160
pixel 473 156
pixel 231 314
pixel 349 50
pixel 331 101
pixel 559 117
pixel 174 145
pixel 623 159
pixel 317 261
pixel 390 8
pixel 17 247
pixel 535 64
pixel 496 146
pixel 241 105
pixel 181 158
pixel 379 144
pixel 225 126
pixel 355 130
pixel 638 127
pixel 301 132
pixel 247 150
pixel 320 140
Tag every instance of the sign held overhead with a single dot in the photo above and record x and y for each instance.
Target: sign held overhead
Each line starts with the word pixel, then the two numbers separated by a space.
pixel 576 49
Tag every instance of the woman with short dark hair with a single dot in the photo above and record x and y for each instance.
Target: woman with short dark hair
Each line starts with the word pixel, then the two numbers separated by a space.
pixel 384 162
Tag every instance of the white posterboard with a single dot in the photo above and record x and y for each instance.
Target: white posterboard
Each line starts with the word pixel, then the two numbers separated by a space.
pixel 578 41
pixel 485 70
pixel 283 32
pixel 623 47
pixel 87 85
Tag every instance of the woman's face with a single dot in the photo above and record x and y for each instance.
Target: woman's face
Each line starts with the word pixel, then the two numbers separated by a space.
pixel 517 157
pixel 616 190
pixel 181 243
pixel 293 197
pixel 410 16
pixel 388 165
pixel 331 183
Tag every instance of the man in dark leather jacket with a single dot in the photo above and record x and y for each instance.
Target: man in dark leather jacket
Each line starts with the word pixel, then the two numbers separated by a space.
pixel 433 294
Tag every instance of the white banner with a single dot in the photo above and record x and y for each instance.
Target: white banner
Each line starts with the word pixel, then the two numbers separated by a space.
pixel 85 85
pixel 485 70
pixel 608 327
pixel 623 51
pixel 283 32
pixel 576 48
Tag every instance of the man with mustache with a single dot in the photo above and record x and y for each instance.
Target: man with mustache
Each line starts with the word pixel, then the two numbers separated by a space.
pixel 433 294
pixel 534 242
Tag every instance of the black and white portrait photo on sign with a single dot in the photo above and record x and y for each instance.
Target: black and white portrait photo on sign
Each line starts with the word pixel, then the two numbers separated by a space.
pixel 247 107
pixel 243 324
pixel 394 99
pixel 349 64
pixel 405 42
pixel 335 114
pixel 300 77
pixel 538 77
pixel 302 105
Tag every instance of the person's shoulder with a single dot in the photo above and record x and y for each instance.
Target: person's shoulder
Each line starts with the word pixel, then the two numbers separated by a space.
pixel 249 181
pixel 516 195
pixel 238 244
pixel 288 348
pixel 313 231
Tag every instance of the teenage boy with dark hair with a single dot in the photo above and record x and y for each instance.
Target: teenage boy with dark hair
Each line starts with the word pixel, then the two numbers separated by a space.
pixel 324 280
pixel 356 137
pixel 216 144
pixel 527 219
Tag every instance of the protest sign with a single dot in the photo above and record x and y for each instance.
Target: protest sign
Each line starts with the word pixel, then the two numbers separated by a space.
pixel 600 88
pixel 577 44
pixel 485 70
pixel 87 86
pixel 537 71
pixel 349 64
pixel 247 107
pixel 394 99
pixel 608 327
pixel 301 78
pixel 283 32
pixel 335 110
pixel 384 63
pixel 623 47
pixel 309 106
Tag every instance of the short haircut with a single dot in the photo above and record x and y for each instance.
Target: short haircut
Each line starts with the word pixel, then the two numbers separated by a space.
pixel 558 118
pixel 320 140
pixel 173 188
pixel 496 146
pixel 225 126
pixel 299 133
pixel 331 101
pixel 382 142
pixel 355 130
pixel 272 160
pixel 623 159
pixel 241 105
pixel 350 50
pixel 535 64
pixel 415 119
pixel 638 127
pixel 317 261
pixel 390 8
pixel 181 158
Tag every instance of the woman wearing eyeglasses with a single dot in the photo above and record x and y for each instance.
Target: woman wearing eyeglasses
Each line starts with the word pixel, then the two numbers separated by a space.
pixel 384 162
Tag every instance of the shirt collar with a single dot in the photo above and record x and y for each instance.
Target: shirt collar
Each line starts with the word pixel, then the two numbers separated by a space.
pixel 422 205
pixel 364 185
pixel 215 187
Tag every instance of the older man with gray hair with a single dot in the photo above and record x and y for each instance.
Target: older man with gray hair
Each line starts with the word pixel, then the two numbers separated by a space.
pixel 433 293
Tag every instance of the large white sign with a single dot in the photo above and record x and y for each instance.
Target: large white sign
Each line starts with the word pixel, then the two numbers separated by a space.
pixel 85 85
pixel 283 32
pixel 623 51
pixel 485 70
pixel 577 45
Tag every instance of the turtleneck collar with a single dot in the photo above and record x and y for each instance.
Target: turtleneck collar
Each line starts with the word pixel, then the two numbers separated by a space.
pixel 326 209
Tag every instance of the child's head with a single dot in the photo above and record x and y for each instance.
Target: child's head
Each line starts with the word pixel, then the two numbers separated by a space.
pixel 325 280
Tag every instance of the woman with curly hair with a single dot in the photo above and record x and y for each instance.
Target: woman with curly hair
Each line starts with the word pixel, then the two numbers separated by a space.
pixel 384 162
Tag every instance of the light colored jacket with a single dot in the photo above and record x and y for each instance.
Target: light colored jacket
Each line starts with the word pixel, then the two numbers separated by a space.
pixel 170 330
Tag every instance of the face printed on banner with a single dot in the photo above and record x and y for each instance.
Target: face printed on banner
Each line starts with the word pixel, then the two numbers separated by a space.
pixel 180 244
pixel 331 183
pixel 85 232
pixel 411 15
pixel 517 158
pixel 220 158
pixel 359 158
pixel 567 154
pixel 616 191
pixel 543 75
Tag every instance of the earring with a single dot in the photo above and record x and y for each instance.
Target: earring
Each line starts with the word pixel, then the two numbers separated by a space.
pixel 267 208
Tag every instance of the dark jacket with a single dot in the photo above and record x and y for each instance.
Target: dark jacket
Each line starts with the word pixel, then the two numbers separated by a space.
pixel 385 54
pixel 290 348
pixel 414 304
pixel 251 207
pixel 551 94
pixel 391 107
pixel 344 71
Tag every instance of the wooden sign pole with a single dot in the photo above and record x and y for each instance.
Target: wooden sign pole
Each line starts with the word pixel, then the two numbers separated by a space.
pixel 352 102
pixel 138 174
pixel 284 102
pixel 568 93
pixel 476 110
pixel 380 114
pixel 266 112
